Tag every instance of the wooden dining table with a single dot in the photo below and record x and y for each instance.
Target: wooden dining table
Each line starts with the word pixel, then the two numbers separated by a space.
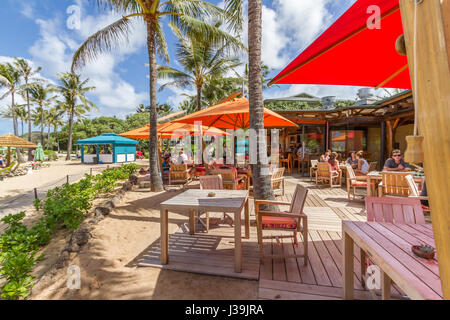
pixel 388 245
pixel 197 200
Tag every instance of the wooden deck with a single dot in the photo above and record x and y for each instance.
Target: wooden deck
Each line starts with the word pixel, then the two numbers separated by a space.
pixel 212 253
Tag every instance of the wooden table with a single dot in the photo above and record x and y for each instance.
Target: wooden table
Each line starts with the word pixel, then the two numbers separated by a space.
pixel 194 200
pixel 389 246
pixel 374 178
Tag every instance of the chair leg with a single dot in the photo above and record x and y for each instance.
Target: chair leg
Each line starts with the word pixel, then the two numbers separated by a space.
pixel 305 241
pixel 348 190
pixel 362 255
pixel 207 221
pixel 260 240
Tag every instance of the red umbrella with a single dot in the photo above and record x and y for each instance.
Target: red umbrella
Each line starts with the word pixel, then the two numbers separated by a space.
pixel 350 53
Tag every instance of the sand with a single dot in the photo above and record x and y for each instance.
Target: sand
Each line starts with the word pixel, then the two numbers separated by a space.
pixel 108 262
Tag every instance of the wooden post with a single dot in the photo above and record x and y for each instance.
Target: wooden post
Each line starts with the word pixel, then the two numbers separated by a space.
pixel 382 144
pixel 389 137
pixel 35 193
pixel 67 178
pixel 433 92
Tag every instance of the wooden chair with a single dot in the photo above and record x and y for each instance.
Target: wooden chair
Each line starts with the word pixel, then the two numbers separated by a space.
pixel 213 182
pixel 394 183
pixel 399 210
pixel 373 166
pixel 180 173
pixel 415 191
pixel 354 181
pixel 277 180
pixel 313 169
pixel 324 173
pixel 288 161
pixel 292 221
pixel 231 179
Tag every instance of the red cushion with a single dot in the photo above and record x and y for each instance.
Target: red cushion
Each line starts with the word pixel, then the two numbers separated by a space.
pixel 279 222
pixel 240 185
pixel 359 183
pixel 425 208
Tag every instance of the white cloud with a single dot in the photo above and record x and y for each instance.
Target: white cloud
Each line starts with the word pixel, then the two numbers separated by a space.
pixel 27 10
pixel 56 45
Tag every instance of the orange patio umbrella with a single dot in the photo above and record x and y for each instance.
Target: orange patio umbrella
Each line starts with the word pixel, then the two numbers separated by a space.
pixel 234 114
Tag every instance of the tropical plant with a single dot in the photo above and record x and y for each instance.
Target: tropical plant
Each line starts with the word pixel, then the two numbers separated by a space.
pixel 10 79
pixel 40 95
pixel 27 72
pixel 73 90
pixel 188 15
pixel 202 60
pixel 262 187
pixel 54 120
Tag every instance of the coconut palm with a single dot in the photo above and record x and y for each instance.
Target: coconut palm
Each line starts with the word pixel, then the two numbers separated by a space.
pixel 27 72
pixel 55 121
pixel 41 95
pixel 22 115
pixel 73 90
pixel 202 60
pixel 188 15
pixel 262 187
pixel 10 79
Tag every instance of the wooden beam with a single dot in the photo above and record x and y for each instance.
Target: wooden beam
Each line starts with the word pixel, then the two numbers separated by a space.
pixel 382 144
pixel 433 92
pixel 389 137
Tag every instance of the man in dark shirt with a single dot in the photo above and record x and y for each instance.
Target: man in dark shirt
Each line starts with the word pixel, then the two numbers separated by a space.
pixel 396 162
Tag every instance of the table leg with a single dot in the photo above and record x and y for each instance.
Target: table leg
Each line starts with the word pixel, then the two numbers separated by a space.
pixel 369 187
pixel 385 286
pixel 164 236
pixel 347 275
pixel 247 219
pixel 192 222
pixel 237 242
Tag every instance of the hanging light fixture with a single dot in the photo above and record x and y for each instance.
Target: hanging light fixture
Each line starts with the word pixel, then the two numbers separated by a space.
pixel 414 152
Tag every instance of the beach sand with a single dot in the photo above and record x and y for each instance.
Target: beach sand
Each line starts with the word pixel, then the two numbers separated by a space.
pixel 108 262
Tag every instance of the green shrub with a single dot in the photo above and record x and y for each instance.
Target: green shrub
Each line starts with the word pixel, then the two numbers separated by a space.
pixel 51 155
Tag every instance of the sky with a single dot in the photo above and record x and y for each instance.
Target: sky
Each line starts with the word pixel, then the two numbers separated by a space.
pixel 47 33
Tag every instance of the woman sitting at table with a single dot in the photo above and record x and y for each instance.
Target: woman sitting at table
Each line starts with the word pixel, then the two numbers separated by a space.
pixel 363 165
pixel 333 162
pixel 352 160
pixel 325 157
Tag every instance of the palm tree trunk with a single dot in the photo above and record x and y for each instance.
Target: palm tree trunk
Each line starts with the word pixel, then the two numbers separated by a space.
pixel 16 126
pixel 155 175
pixel 69 139
pixel 199 98
pixel 48 137
pixel 42 126
pixel 55 131
pixel 30 156
pixel 262 186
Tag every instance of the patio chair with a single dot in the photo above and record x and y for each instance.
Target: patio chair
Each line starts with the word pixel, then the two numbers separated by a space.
pixel 415 191
pixel 313 169
pixel 293 220
pixel 288 161
pixel 354 181
pixel 231 179
pixel 399 210
pixel 180 173
pixel 277 180
pixel 324 173
pixel 394 184
pixel 6 171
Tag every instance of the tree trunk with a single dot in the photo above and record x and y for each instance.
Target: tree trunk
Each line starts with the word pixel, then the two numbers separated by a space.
pixel 30 155
pixel 69 138
pixel 57 137
pixel 48 137
pixel 155 175
pixel 16 126
pixel 262 186
pixel 42 126
pixel 199 98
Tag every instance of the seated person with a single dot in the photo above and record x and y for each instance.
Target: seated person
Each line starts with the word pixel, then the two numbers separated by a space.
pixel 2 163
pixel 396 162
pixel 352 160
pixel 363 165
pixel 325 157
pixel 166 164
pixel 333 162
pixel 182 158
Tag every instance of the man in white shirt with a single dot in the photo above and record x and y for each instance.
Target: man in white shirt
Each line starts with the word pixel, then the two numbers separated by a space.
pixel 182 157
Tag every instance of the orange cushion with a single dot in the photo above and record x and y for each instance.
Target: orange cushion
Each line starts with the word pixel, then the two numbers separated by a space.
pixel 279 222
pixel 240 185
pixel 359 183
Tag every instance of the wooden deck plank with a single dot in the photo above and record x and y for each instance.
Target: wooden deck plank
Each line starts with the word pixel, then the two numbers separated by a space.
pixel 292 271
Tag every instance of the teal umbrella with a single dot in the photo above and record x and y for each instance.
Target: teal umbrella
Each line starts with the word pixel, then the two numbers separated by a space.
pixel 39 153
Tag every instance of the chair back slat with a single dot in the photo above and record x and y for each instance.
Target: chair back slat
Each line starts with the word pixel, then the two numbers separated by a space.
pixel 229 177
pixel 211 182
pixel 395 210
pixel 412 185
pixel 298 200
pixel 395 183
pixel 323 169
pixel 314 163
pixel 351 174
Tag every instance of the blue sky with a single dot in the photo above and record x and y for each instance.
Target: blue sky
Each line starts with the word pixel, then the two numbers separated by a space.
pixel 37 30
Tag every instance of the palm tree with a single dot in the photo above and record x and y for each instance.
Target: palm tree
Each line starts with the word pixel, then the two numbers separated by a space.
pixel 73 89
pixel 55 120
pixel 202 60
pixel 27 72
pixel 262 187
pixel 10 79
pixel 186 14
pixel 142 109
pixel 40 95
pixel 21 113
